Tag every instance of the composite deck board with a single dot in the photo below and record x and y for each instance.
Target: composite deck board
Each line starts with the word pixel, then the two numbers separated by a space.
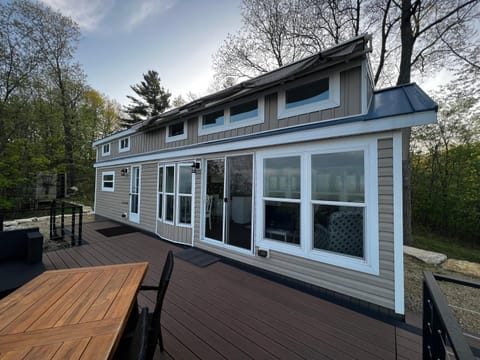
pixel 222 312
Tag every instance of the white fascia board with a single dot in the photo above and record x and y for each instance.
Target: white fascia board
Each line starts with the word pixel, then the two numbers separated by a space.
pixel 114 137
pixel 347 129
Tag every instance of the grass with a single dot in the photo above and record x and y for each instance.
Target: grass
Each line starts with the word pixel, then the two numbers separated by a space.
pixel 454 249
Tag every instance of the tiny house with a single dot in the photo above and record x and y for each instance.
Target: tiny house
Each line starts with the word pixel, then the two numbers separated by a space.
pixel 296 172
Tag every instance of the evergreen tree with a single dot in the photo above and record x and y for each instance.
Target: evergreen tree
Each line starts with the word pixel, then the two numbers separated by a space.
pixel 154 99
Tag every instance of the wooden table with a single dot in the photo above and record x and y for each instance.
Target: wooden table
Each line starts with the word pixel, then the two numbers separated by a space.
pixel 69 314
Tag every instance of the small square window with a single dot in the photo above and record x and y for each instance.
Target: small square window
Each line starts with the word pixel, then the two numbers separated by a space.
pixel 176 132
pixel 108 181
pixel 124 144
pixel 106 149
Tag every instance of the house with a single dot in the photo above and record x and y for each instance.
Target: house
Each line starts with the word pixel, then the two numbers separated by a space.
pixel 297 172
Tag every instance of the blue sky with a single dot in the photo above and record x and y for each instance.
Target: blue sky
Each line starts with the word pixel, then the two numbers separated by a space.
pixel 122 39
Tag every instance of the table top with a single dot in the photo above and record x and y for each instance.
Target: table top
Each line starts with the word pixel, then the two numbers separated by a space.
pixel 69 314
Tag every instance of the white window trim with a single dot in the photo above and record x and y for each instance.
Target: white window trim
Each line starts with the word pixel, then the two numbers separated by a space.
pixel 370 264
pixel 161 192
pixel 178 195
pixel 183 136
pixel 332 101
pixel 125 149
pixel 228 125
pixel 106 153
pixel 165 193
pixel 107 189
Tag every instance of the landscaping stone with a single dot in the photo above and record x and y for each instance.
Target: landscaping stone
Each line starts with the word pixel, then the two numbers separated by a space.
pixel 428 257
pixel 462 266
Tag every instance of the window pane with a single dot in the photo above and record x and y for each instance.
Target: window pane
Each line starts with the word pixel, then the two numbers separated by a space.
pixel 107 177
pixel 338 229
pixel 185 203
pixel 108 184
pixel 244 111
pixel 160 206
pixel 169 208
pixel 281 177
pixel 338 177
pixel 169 181
pixel 213 119
pixel 307 94
pixel 185 180
pixel 134 204
pixel 160 179
pixel 175 129
pixel 282 221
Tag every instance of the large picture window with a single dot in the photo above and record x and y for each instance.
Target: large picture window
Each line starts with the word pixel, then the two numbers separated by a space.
pixel 320 201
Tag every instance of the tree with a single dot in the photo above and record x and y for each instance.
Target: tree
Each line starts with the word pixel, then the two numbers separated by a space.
pixel 154 99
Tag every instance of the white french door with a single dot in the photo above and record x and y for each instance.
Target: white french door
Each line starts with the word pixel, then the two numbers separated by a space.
pixel 135 195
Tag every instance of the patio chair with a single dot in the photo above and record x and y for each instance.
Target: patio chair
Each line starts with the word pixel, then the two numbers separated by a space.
pixel 135 346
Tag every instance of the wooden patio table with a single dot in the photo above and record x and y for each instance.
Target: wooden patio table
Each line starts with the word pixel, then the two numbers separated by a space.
pixel 69 314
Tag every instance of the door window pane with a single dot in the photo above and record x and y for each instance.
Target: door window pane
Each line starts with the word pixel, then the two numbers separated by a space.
pixel 214 199
pixel 281 177
pixel 338 177
pixel 160 179
pixel 169 207
pixel 185 180
pixel 282 221
pixel 339 229
pixel 307 93
pixel 169 181
pixel 185 204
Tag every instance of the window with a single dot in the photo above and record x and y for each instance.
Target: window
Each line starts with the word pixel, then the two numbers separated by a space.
pixel 124 144
pixel 320 201
pixel 108 181
pixel 184 195
pixel 175 194
pixel 106 149
pixel 160 194
pixel 309 96
pixel 169 192
pixel 281 193
pixel 176 132
pixel 238 115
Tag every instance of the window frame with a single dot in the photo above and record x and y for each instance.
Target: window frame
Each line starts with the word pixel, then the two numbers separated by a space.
pixel 228 124
pixel 332 101
pixel 160 192
pixel 178 194
pixel 106 153
pixel 183 136
pixel 126 148
pixel 108 173
pixel 370 263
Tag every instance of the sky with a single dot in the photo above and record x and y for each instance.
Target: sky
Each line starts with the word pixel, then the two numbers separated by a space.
pixel 123 39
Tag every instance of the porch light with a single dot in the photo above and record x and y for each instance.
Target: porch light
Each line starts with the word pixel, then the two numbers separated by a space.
pixel 195 166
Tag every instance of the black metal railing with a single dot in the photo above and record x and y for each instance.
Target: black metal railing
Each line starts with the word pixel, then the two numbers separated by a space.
pixel 57 214
pixel 441 333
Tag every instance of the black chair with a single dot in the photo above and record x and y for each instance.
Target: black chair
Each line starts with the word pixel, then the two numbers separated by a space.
pixel 134 346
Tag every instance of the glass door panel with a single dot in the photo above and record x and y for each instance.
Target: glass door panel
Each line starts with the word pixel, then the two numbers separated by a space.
pixel 135 194
pixel 214 199
pixel 239 201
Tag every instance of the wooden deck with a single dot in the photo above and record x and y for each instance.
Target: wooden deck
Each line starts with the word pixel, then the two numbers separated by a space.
pixel 222 312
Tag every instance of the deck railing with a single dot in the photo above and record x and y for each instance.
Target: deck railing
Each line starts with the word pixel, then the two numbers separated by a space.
pixel 441 333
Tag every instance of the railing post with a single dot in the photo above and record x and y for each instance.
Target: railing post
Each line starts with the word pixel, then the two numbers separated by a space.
pixel 73 225
pixel 62 221
pixel 80 225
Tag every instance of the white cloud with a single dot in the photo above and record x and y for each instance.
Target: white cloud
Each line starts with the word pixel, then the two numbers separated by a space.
pixel 144 8
pixel 88 14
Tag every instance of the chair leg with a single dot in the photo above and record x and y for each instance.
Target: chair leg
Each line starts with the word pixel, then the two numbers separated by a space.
pixel 160 339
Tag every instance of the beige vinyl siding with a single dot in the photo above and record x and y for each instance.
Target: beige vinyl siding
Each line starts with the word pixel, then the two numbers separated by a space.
pixel 350 104
pixel 371 288
pixel 148 202
pixel 113 204
pixel 179 234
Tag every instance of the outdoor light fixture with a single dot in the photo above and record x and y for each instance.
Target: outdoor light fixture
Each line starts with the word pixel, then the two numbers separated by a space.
pixel 195 166
pixel 124 172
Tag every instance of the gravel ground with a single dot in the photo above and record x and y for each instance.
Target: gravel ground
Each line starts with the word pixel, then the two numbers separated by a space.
pixel 464 301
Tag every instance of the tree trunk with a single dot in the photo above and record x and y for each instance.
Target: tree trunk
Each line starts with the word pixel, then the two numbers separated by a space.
pixel 408 41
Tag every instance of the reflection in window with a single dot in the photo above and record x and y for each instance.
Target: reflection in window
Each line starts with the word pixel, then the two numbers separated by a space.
pixel 244 111
pixel 282 221
pixel 213 119
pixel 169 192
pixel 184 207
pixel 339 229
pixel 307 93
pixel 281 177
pixel 176 129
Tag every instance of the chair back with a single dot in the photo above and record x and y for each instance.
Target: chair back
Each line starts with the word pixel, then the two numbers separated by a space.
pixel 138 346
pixel 155 330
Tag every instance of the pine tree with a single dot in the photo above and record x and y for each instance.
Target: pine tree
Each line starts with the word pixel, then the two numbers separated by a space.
pixel 154 99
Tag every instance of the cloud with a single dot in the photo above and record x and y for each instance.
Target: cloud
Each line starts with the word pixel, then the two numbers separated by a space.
pixel 88 14
pixel 144 8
